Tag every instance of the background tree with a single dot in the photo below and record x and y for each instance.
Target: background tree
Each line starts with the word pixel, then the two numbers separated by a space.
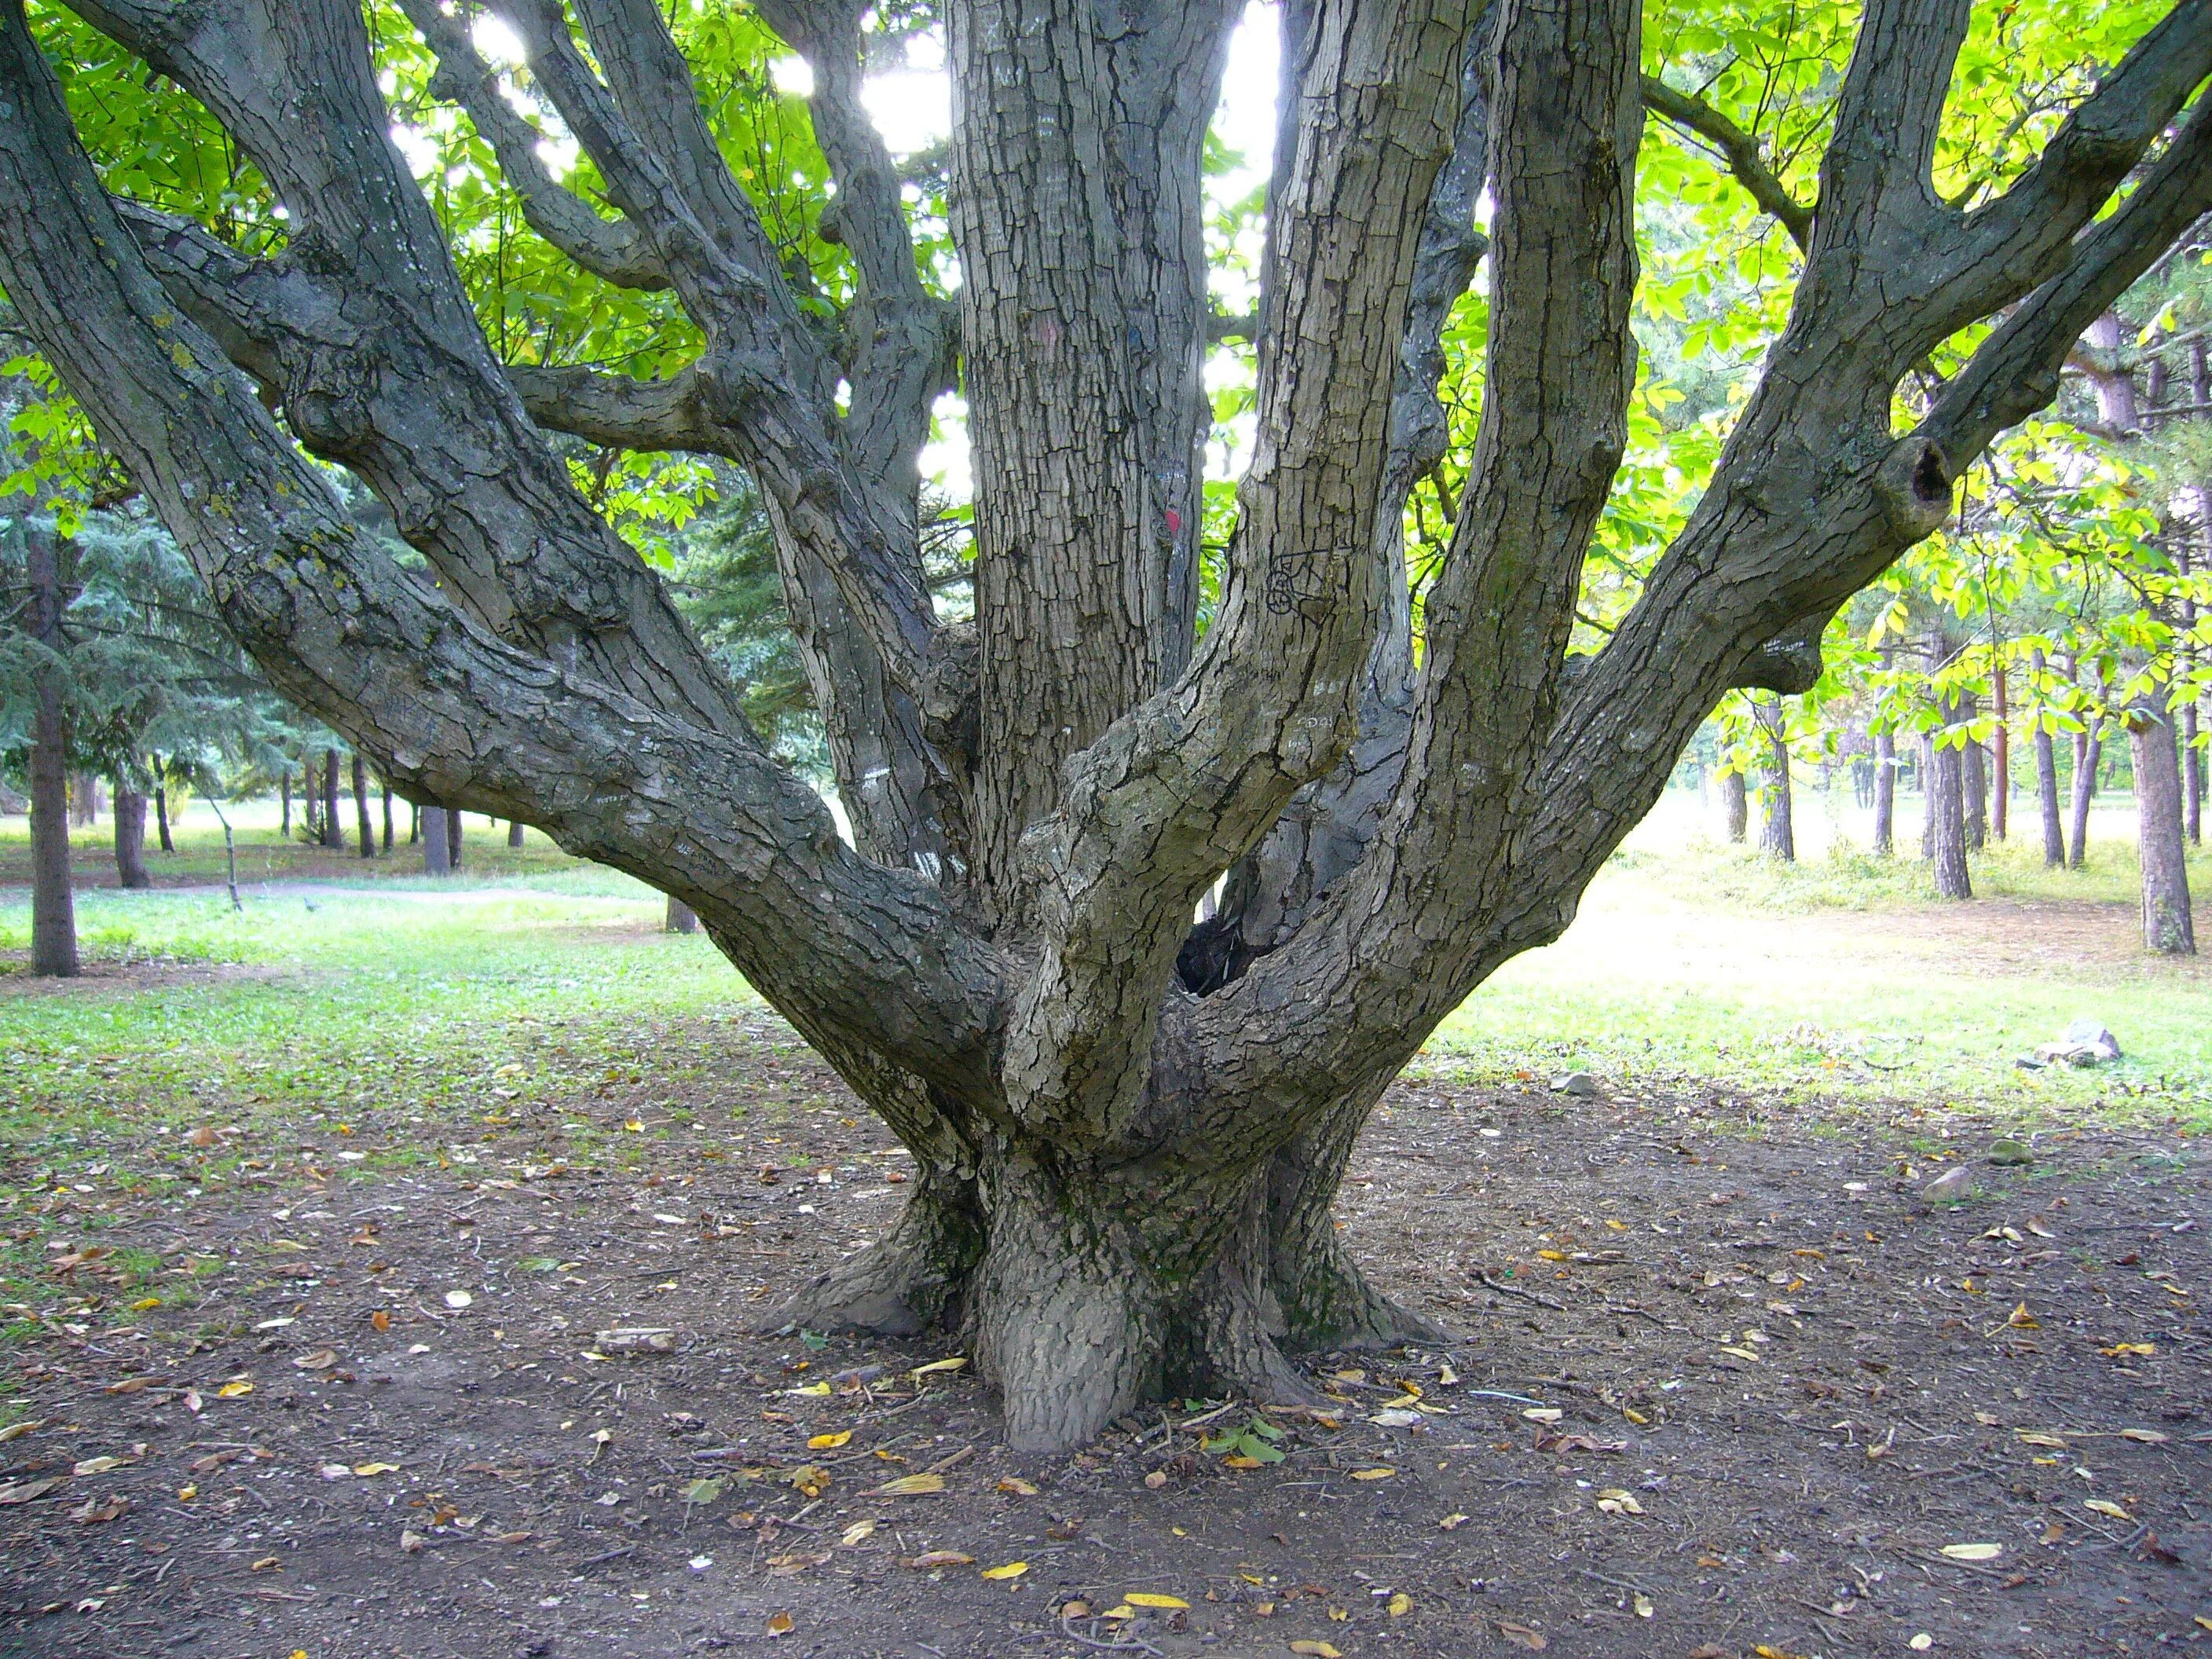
pixel 1129 1133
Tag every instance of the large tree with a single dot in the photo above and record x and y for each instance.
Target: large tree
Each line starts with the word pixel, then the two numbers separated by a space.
pixel 1129 1134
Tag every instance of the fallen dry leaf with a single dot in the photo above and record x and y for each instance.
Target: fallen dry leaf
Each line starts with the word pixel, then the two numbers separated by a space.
pixel 909 1485
pixel 1380 1471
pixel 1315 1649
pixel 321 1360
pixel 410 1543
pixel 1011 1570
pixel 857 1531
pixel 829 1442
pixel 1153 1599
pixel 1522 1635
pixel 2022 1320
pixel 2105 1506
pixel 1619 1500
pixel 780 1624
pixel 1454 1521
pixel 1973 1552
pixel 1017 1487
pixel 233 1390
pixel 17 1431
pixel 1399 1605
pixel 380 1321
pixel 929 1558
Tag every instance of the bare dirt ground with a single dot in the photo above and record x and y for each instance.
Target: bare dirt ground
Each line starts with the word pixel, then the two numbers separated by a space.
pixel 1727 1386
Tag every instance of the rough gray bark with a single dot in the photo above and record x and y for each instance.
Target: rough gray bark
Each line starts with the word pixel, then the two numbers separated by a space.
pixel 1944 792
pixel 53 898
pixel 1974 778
pixel 161 807
pixel 2000 755
pixel 453 829
pixel 130 814
pixel 514 832
pixel 1885 777
pixel 2169 925
pixel 384 790
pixel 1126 1168
pixel 679 918
pixel 333 830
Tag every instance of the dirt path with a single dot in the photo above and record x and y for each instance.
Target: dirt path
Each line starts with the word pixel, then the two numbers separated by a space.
pixel 1770 1383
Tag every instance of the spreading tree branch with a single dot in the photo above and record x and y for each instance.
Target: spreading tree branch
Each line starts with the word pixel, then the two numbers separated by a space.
pixel 1739 148
pixel 448 710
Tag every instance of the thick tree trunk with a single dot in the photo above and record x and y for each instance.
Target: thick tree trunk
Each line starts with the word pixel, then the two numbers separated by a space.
pixel 453 837
pixel 53 899
pixel 1735 805
pixel 514 833
pixel 130 836
pixel 1778 833
pixel 333 830
pixel 2088 755
pixel 2169 928
pixel 284 803
pixel 679 918
pixel 437 852
pixel 367 830
pixel 386 790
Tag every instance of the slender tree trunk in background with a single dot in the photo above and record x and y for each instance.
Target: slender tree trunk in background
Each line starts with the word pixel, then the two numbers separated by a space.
pixel 1735 804
pixel 130 836
pixel 679 918
pixel 161 806
pixel 84 800
pixel 414 824
pixel 2046 789
pixel 1778 834
pixel 1976 758
pixel 387 820
pixel 2089 752
pixel 514 832
pixel 311 803
pixel 2168 926
pixel 1885 791
pixel 2193 778
pixel 333 831
pixel 360 807
pixel 1927 799
pixel 437 855
pixel 2001 759
pixel 53 902
pixel 284 803
pixel 453 835
pixel 1946 795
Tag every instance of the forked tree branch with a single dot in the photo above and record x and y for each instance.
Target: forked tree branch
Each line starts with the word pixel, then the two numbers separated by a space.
pixel 1739 148
pixel 611 249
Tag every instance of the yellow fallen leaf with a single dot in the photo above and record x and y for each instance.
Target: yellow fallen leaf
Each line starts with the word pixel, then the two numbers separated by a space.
pixel 1644 1608
pixel 2203 1621
pixel 232 1390
pixel 1124 1611
pixel 1635 1417
pixel 1381 1472
pixel 146 1304
pixel 1765 1652
pixel 930 1559
pixel 1973 1552
pixel 780 1624
pixel 95 1465
pixel 17 1431
pixel 828 1442
pixel 1315 1649
pixel 1011 1570
pixel 813 1390
pixel 2105 1506
pixel 638 1128
pixel 1553 1256
pixel 1240 1461
pixel 366 1469
pixel 1743 1353
pixel 909 1485
pixel 855 1533
pixel 2147 1436
pixel 2051 1441
pixel 186 1494
pixel 1017 1487
pixel 380 1321
pixel 2024 1321
pixel 1400 1605
pixel 1153 1599
pixel 1619 1500
pixel 959 1361
pixel 1543 1413
pixel 1454 1521
pixel 2122 1349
